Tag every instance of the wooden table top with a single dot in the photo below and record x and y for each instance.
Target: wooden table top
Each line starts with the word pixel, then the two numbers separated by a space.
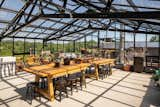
pixel 103 61
pixel 50 70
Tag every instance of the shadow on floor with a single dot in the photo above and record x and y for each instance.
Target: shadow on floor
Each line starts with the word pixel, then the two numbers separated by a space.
pixel 152 96
pixel 22 92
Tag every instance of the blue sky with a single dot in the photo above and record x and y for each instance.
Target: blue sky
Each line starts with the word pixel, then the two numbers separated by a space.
pixel 17 4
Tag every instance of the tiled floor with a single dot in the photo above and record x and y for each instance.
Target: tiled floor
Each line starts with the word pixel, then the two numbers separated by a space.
pixel 122 89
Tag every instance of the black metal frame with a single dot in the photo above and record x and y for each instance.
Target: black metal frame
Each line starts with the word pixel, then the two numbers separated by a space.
pixel 103 12
pixel 79 25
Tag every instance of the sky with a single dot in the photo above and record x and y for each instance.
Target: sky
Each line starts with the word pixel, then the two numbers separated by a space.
pixel 17 4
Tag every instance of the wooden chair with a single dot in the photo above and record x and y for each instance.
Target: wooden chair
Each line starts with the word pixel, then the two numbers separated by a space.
pixel 60 85
pixel 72 82
pixel 31 90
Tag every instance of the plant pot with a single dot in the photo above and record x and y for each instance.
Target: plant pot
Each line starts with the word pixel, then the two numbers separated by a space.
pixel 127 67
pixel 66 61
pixel 57 64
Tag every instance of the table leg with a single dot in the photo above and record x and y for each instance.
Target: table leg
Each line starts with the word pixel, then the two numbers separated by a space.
pixel 96 73
pixel 84 77
pixel 37 78
pixel 50 88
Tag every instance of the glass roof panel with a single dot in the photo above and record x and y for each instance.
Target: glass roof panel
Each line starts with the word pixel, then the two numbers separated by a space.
pixel 2 25
pixel 33 35
pixel 21 34
pixel 42 36
pixel 48 31
pixel 122 8
pixel 6 15
pixel 147 3
pixel 16 5
pixel 27 29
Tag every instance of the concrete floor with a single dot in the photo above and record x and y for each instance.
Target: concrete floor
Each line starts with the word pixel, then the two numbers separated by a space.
pixel 122 89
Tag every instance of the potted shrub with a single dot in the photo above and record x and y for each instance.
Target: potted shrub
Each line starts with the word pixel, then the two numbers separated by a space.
pixel 57 62
pixel 66 61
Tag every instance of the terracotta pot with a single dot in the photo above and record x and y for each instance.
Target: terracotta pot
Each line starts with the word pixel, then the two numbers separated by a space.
pixel 126 67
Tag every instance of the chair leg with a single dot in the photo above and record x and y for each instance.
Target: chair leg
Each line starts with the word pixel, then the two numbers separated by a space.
pixel 81 83
pixel 27 91
pixel 85 83
pixel 60 95
pixel 39 95
pixel 43 83
pixel 71 87
pixel 76 85
pixel 66 92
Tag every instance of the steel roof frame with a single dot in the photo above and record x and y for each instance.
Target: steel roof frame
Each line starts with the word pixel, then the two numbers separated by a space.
pixel 108 12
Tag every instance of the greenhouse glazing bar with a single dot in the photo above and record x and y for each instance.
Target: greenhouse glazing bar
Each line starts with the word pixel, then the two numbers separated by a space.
pixel 110 15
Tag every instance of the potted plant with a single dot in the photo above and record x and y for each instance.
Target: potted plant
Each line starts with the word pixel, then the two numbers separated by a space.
pixel 66 61
pixel 57 60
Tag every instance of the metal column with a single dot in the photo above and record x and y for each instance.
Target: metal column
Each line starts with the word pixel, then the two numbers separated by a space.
pixel 13 47
pixel 134 42
pixel 0 46
pixel 121 51
pixel 34 47
pixel 85 40
pixel 92 43
pixel 43 45
pixel 24 49
pixel 98 44
pixel 63 46
pixel 159 50
pixel 74 46
pixel 145 48
pixel 50 46
pixel 57 45
pixel 115 33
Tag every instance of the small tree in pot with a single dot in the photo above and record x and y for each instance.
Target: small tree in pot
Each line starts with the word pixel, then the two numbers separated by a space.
pixel 57 60
pixel 66 61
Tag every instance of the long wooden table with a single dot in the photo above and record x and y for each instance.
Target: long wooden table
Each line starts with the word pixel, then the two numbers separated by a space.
pixel 98 62
pixel 51 72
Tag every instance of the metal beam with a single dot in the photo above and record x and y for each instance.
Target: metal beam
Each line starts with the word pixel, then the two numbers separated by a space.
pixel 54 38
pixel 30 12
pixel 23 31
pixel 142 7
pixel 109 4
pixel 50 35
pixel 18 16
pixel 41 27
pixel 24 37
pixel 1 3
pixel 64 3
pixel 128 31
pixel 133 5
pixel 20 27
pixel 112 15
pixel 147 22
pixel 88 4
pixel 35 28
pixel 56 5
